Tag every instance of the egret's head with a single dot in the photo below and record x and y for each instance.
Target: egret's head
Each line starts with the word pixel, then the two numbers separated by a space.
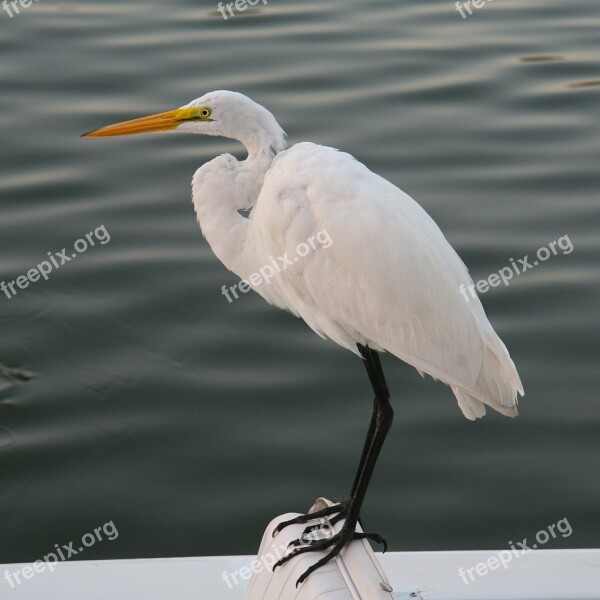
pixel 222 113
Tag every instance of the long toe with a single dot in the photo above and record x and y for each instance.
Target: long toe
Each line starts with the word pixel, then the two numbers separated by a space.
pixel 319 530
pixel 337 542
pixel 337 548
pixel 312 547
pixel 302 519
pixel 374 537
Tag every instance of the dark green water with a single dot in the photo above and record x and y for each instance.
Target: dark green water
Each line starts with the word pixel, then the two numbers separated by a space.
pixel 132 392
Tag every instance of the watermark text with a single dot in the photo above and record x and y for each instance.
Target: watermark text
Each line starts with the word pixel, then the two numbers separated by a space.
pixel 505 274
pixel 277 265
pixel 518 549
pixel 57 260
pixel 65 552
pixel 238 5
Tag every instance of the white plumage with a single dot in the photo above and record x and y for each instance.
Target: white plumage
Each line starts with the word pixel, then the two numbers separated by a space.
pixel 389 279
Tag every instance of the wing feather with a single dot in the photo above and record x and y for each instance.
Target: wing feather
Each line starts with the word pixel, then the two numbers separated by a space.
pixel 388 279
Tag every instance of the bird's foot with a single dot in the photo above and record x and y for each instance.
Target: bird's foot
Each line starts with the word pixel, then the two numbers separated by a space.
pixel 321 537
pixel 340 510
pixel 335 542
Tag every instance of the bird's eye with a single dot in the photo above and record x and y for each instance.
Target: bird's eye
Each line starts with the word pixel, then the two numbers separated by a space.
pixel 205 112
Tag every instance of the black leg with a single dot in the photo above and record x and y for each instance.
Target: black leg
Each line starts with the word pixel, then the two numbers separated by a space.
pixel 381 421
pixel 379 427
pixel 375 373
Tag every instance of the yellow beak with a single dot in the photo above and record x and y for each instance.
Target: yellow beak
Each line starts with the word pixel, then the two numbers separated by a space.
pixel 166 121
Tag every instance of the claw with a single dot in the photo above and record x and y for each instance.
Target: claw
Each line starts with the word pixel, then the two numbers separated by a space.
pixel 297 542
pixel 284 524
pixel 332 554
pixel 374 537
pixel 302 519
pixel 320 545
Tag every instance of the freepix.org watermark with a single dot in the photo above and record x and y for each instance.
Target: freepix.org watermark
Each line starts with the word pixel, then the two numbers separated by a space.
pixel 56 261
pixel 518 549
pixel 238 5
pixel 13 7
pixel 464 8
pixel 276 553
pixel 107 531
pixel 264 562
pixel 505 274
pixel 277 265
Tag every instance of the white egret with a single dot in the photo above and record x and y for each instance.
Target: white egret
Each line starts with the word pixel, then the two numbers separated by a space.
pixel 388 282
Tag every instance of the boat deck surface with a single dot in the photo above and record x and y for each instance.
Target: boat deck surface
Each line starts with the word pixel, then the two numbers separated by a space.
pixel 539 574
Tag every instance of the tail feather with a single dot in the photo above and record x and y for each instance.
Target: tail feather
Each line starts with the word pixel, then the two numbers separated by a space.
pixel 473 408
pixel 498 384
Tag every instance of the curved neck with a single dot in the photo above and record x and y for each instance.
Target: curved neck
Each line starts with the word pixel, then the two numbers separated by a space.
pixel 220 189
